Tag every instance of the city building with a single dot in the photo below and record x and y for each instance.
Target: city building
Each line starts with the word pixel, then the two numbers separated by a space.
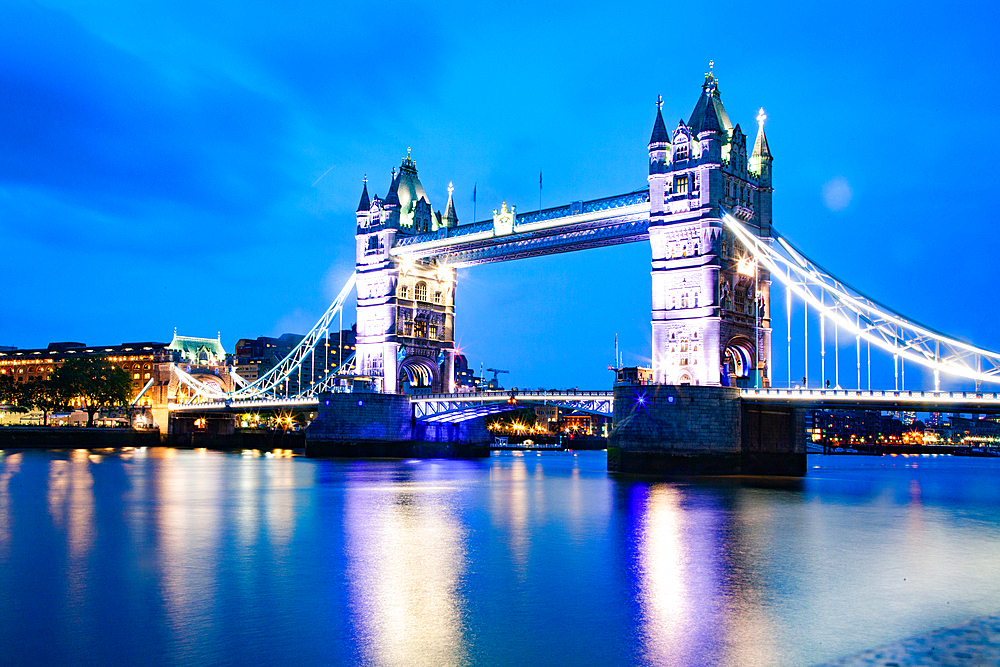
pixel 547 417
pixel 846 427
pixel 466 379
pixel 634 375
pixel 139 360
pixel 150 365
pixel 254 357
pixel 906 418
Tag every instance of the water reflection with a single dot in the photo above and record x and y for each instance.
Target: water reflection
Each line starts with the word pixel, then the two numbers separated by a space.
pixel 664 576
pixel 406 554
pixel 11 465
pixel 509 504
pixel 700 598
pixel 71 500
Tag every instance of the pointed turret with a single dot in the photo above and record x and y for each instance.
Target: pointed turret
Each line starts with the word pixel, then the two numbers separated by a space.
pixel 364 206
pixel 392 197
pixel 659 135
pixel 659 149
pixel 659 142
pixel 365 202
pixel 450 217
pixel 709 114
pixel 760 159
pixel 760 147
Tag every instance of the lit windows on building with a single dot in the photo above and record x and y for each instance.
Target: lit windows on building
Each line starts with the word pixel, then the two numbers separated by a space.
pixel 681 185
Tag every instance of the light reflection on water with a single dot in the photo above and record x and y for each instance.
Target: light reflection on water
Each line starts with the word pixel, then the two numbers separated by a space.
pixel 174 557
pixel 406 554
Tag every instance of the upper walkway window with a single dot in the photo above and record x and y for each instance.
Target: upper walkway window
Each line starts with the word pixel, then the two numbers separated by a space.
pixel 420 291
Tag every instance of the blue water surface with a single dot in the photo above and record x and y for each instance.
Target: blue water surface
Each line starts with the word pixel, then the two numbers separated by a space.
pixel 168 557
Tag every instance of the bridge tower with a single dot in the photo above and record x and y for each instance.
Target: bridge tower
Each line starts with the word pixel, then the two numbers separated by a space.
pixel 711 302
pixel 406 309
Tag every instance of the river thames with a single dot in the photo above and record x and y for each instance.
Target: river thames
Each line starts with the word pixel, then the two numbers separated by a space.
pixel 169 557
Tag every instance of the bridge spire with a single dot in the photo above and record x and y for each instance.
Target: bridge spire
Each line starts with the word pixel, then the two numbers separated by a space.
pixel 365 202
pixel 659 135
pixel 760 159
pixel 450 217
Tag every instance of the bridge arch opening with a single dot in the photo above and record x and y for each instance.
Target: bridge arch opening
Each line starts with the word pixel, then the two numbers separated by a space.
pixel 739 361
pixel 418 375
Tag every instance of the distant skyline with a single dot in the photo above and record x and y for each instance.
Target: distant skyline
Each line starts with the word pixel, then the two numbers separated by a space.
pixel 199 168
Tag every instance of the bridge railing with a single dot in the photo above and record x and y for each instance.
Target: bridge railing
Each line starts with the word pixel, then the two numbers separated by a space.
pixel 518 393
pixel 905 395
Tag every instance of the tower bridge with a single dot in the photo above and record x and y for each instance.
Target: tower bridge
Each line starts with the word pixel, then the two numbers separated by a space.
pixel 706 213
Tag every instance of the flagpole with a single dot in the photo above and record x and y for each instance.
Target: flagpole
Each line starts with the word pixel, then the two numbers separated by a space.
pixel 474 187
pixel 539 190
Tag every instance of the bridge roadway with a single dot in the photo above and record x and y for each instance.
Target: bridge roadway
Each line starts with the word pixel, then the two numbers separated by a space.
pixel 461 407
pixel 850 399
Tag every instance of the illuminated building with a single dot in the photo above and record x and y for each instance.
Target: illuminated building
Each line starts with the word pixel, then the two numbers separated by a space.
pixel 907 418
pixel 150 365
pixel 711 303
pixel 139 360
pixel 465 378
pixel 406 309
pixel 547 417
pixel 847 426
pixel 634 375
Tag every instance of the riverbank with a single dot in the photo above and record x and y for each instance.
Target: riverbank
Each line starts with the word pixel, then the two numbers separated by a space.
pixel 42 437
pixel 975 642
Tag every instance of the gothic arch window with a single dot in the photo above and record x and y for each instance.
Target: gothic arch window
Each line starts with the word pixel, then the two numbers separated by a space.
pixel 437 297
pixel 420 291
pixel 684 300
pixel 681 153
pixel 695 248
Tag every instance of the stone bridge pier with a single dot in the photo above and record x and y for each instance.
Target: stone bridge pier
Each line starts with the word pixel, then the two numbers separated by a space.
pixel 700 430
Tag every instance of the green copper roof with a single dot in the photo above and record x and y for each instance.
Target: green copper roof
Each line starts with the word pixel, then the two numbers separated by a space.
pixel 200 351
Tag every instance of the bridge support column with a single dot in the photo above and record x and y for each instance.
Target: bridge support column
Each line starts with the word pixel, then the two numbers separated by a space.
pixel 698 430
pixel 374 425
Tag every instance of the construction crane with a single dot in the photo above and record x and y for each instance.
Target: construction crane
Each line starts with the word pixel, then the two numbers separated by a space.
pixel 494 383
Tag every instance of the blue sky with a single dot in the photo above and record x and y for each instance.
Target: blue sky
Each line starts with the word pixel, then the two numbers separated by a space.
pixel 159 161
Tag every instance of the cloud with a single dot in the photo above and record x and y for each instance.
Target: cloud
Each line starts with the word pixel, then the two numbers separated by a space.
pixel 837 194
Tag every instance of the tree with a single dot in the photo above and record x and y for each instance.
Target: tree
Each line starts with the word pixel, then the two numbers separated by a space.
pixel 46 395
pixel 96 382
pixel 10 391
